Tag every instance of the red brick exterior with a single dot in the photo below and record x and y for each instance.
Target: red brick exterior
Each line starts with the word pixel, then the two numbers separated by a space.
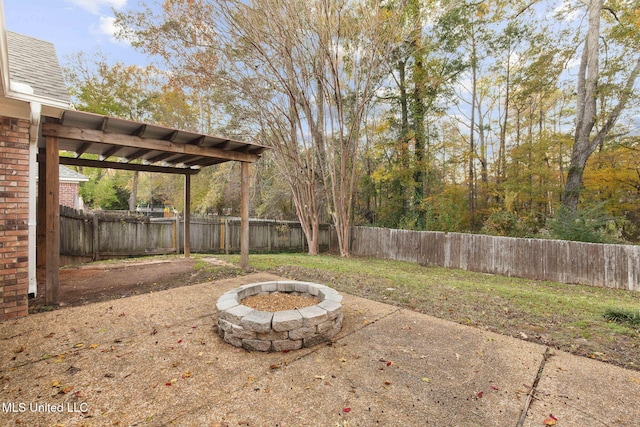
pixel 68 194
pixel 14 217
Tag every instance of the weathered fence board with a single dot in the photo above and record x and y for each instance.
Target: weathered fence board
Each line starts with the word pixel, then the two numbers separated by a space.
pixel 100 236
pixel 613 266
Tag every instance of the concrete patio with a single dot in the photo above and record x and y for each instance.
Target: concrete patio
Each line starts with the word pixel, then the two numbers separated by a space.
pixel 156 359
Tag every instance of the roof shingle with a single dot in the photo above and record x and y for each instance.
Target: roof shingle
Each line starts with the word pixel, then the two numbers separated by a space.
pixel 35 62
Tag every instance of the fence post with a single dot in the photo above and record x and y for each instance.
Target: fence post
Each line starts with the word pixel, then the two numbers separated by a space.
pixel 227 236
pixel 176 232
pixel 95 237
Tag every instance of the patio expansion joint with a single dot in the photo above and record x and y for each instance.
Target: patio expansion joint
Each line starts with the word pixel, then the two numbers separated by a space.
pixel 531 395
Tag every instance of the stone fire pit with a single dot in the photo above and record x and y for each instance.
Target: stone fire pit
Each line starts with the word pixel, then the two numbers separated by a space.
pixel 245 327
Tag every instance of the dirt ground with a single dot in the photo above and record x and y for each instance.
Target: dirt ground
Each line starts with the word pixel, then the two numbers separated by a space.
pixel 85 284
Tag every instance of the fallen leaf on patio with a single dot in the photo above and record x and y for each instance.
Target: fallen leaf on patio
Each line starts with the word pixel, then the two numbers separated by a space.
pixel 494 387
pixel 479 394
pixel 154 331
pixel 179 341
pixel 121 314
pixel 20 349
pixel 346 410
pixel 635 380
pixel 318 377
pixel 387 383
pixel 425 379
pixel 549 421
pixel 342 359
pixel 79 345
pixel 94 346
pixel 55 383
pixel 186 375
pixel 66 390
pixel 389 363
pixel 275 366
pixel 297 410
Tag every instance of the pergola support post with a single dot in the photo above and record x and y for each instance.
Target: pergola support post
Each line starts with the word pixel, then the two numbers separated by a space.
pixel 187 216
pixel 52 221
pixel 41 218
pixel 244 216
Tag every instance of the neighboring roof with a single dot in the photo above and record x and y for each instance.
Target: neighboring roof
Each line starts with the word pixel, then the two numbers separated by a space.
pixel 126 144
pixel 35 63
pixel 69 175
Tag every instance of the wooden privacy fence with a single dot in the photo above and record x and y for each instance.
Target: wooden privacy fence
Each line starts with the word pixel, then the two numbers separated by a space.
pixel 612 266
pixel 93 236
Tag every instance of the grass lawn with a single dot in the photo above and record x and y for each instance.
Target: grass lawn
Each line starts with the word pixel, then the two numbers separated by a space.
pixel 567 317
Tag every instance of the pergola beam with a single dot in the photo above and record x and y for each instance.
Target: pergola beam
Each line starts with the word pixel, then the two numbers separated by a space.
pixel 100 137
pixel 71 161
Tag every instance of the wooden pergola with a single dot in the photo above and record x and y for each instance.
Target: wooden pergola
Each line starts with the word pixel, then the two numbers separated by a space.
pixel 128 145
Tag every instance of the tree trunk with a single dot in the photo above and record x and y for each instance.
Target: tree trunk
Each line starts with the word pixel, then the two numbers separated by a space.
pixel 502 151
pixel 585 108
pixel 133 198
pixel 584 145
pixel 472 147
pixel 419 94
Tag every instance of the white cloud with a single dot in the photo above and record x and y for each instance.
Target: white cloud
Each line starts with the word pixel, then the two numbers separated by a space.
pixel 94 6
pixel 107 26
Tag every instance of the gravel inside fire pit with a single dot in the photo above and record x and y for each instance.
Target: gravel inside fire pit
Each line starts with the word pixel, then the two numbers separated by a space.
pixel 279 301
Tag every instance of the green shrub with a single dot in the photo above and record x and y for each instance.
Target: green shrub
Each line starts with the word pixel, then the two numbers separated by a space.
pixel 582 225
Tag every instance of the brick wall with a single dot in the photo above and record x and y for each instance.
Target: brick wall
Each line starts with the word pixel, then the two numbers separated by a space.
pixel 68 194
pixel 14 217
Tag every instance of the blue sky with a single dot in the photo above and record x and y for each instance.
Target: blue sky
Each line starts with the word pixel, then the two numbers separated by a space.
pixel 73 26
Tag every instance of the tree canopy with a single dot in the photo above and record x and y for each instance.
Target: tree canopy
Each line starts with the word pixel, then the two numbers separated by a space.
pixel 441 115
